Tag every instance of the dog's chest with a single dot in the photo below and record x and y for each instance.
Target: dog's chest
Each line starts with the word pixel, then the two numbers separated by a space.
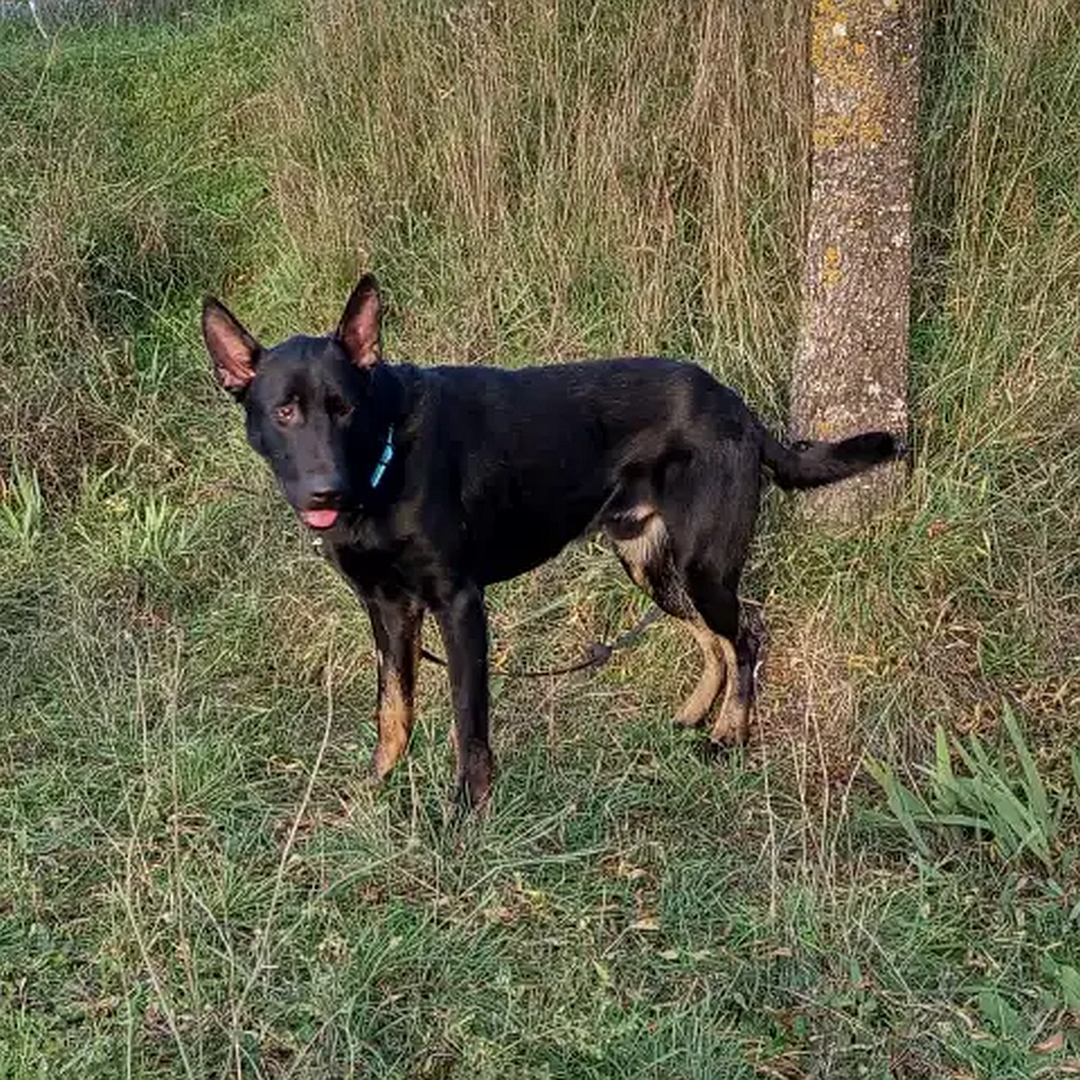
pixel 385 568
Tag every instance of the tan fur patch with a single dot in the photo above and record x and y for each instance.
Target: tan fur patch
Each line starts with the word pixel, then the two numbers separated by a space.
pixel 697 705
pixel 641 550
pixel 395 720
pixel 732 723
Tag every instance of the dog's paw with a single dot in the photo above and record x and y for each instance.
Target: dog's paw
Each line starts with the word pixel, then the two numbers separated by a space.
pixel 688 717
pixel 732 726
pixel 473 788
pixel 373 780
pixel 709 752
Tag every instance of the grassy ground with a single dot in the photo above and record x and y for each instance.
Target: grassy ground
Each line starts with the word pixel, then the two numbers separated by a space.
pixel 193 881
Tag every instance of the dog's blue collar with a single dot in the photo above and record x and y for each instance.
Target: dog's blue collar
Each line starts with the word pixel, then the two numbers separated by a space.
pixel 384 459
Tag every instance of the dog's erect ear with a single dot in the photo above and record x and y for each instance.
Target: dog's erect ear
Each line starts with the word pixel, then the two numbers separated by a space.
pixel 358 330
pixel 234 351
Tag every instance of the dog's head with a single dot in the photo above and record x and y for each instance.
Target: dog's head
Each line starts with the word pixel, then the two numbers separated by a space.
pixel 311 404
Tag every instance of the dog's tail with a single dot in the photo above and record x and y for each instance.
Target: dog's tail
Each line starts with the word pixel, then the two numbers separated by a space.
pixel 812 464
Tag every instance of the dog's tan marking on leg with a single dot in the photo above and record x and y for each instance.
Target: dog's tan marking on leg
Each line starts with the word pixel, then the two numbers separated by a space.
pixel 697 705
pixel 395 719
pixel 732 723
pixel 394 716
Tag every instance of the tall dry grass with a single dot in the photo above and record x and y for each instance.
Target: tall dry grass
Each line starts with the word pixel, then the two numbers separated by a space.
pixel 553 178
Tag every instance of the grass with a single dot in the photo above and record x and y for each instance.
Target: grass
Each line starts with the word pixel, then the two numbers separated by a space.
pixel 193 881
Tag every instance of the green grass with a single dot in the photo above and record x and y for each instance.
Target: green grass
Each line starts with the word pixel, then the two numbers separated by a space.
pixel 194 881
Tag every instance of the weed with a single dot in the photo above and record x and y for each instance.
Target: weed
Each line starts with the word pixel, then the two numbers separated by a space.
pixel 1009 807
pixel 22 509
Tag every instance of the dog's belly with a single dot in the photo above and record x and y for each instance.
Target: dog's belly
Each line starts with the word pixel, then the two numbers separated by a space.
pixel 520 553
pixel 519 542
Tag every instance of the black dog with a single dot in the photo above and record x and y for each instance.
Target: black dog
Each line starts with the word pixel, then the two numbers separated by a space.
pixel 427 484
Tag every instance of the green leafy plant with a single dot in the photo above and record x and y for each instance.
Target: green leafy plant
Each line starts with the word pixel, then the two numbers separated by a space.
pixel 1007 804
pixel 22 508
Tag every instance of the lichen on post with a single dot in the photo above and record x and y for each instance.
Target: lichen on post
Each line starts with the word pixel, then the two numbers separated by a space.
pixel 850 368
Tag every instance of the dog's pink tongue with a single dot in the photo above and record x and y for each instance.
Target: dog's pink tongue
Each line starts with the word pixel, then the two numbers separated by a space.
pixel 319 519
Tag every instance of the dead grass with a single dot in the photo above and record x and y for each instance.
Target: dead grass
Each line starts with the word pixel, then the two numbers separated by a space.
pixel 552 180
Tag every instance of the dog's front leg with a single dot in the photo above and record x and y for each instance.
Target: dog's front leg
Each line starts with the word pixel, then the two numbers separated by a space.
pixel 463 623
pixel 396 628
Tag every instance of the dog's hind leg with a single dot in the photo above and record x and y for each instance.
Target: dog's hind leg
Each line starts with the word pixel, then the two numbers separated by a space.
pixel 714 595
pixel 710 509
pixel 644 549
pixel 396 627
pixel 714 676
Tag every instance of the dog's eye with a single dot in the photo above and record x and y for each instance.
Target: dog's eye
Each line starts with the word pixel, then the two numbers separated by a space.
pixel 339 408
pixel 285 414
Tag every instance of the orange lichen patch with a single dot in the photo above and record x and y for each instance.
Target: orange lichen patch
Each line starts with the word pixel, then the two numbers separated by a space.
pixel 835 130
pixel 830 266
pixel 851 92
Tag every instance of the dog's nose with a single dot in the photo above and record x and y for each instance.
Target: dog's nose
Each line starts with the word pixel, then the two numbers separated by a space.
pixel 323 491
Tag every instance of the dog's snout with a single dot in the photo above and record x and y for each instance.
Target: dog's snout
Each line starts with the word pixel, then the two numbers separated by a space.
pixel 322 492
